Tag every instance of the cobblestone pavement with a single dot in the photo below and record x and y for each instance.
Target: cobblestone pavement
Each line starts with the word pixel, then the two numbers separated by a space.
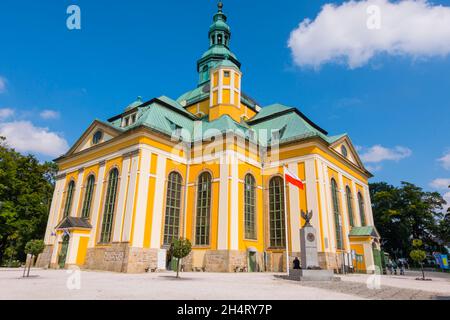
pixel 384 293
pixel 59 284
pixel 390 287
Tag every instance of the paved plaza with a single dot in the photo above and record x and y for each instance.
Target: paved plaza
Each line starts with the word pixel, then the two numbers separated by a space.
pixel 90 285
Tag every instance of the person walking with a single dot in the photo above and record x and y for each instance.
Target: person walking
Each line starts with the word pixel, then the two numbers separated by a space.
pixel 401 265
pixel 394 266
pixel 389 267
pixel 297 264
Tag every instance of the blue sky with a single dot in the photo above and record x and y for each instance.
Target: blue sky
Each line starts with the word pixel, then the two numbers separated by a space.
pixel 398 101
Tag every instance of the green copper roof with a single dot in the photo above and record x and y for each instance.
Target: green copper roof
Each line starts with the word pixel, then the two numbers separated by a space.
pixel 225 63
pixel 165 115
pixel 271 110
pixel 134 104
pixel 364 231
pixel 195 95
pixel 218 50
pixel 219 25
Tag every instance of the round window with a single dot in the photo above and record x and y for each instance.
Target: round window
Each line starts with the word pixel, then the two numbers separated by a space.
pixel 97 137
pixel 344 151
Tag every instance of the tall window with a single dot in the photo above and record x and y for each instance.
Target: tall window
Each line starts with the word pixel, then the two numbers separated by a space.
pixel 250 207
pixel 87 203
pixel 110 204
pixel 276 212
pixel 350 206
pixel 69 198
pixel 173 207
pixel 203 210
pixel 361 209
pixel 337 215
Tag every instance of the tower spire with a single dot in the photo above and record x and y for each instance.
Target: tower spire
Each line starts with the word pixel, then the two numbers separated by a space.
pixel 219 36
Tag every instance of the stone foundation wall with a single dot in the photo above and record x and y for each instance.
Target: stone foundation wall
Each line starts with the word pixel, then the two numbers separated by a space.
pixel 221 261
pixel 140 259
pixel 110 258
pixel 121 258
pixel 43 260
pixel 225 261
pixel 276 261
pixel 330 261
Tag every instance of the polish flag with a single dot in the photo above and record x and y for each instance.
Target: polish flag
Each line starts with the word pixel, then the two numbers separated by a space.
pixel 293 179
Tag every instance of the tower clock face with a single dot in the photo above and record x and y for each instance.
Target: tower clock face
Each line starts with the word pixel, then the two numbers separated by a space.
pixel 310 237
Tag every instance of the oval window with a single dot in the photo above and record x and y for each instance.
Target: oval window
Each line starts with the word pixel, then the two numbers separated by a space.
pixel 344 151
pixel 97 137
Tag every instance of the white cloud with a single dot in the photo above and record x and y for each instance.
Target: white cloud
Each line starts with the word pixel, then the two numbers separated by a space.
pixel 374 168
pixel 345 33
pixel 25 137
pixel 6 113
pixel 379 153
pixel 445 161
pixel 440 183
pixel 49 114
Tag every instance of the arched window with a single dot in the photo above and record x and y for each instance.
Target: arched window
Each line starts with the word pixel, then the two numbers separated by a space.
pixel 250 207
pixel 361 209
pixel 87 203
pixel 202 220
pixel 173 208
pixel 69 198
pixel 350 206
pixel 337 215
pixel 276 212
pixel 110 204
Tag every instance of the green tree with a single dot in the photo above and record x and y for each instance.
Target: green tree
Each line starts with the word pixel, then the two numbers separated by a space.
pixel 180 249
pixel 33 248
pixel 26 190
pixel 405 213
pixel 418 255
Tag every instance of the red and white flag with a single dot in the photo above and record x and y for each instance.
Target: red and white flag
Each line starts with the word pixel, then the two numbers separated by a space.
pixel 293 179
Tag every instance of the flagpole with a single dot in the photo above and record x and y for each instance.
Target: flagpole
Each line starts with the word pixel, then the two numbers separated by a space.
pixel 286 220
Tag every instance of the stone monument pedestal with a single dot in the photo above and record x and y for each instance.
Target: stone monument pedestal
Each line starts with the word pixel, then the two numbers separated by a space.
pixel 310 270
pixel 311 275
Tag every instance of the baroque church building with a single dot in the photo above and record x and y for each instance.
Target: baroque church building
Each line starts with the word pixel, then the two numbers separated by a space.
pixel 208 167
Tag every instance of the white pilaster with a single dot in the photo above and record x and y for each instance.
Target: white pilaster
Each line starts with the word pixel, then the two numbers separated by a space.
pixel 312 198
pixel 323 205
pixel 123 187
pixel 76 197
pixel 368 204
pixel 159 202
pixel 222 233
pixel 329 209
pixel 97 211
pixel 72 250
pixel 131 194
pixel 54 210
pixel 234 216
pixel 54 258
pixel 356 205
pixel 141 202
pixel 345 225
pixel 294 211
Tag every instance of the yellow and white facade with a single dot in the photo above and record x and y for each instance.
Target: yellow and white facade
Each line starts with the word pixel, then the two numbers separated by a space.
pixel 208 167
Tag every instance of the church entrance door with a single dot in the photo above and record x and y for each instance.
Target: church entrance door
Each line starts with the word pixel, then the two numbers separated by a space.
pixel 63 253
pixel 252 262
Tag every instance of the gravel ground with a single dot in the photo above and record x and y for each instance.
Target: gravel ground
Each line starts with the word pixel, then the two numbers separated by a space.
pixel 62 284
